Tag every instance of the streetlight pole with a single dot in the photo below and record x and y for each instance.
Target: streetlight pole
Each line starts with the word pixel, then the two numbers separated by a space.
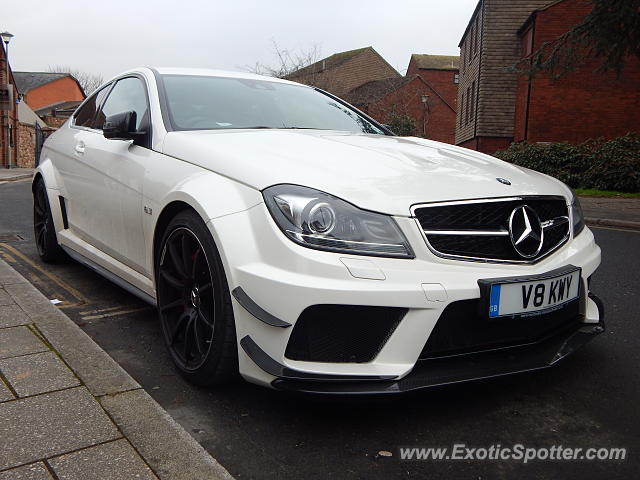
pixel 425 100
pixel 6 36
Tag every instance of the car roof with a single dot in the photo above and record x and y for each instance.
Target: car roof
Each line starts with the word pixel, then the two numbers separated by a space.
pixel 206 72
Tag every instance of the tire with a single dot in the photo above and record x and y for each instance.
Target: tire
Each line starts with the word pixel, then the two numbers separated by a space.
pixel 194 304
pixel 44 229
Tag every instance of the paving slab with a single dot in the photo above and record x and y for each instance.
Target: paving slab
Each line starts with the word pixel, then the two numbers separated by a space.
pixel 109 461
pixel 12 316
pixel 34 471
pixel 16 341
pixel 69 425
pixel 5 298
pixel 52 424
pixel 168 449
pixel 5 393
pixel 37 373
pixel 99 372
pixel 9 276
pixel 13 174
pixel 611 208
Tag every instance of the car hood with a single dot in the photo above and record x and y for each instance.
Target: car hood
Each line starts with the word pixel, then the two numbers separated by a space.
pixel 379 173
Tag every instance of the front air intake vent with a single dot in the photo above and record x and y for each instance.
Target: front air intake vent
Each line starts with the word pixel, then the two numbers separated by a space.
pixel 342 333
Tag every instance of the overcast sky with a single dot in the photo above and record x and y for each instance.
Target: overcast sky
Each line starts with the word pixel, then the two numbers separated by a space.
pixel 110 36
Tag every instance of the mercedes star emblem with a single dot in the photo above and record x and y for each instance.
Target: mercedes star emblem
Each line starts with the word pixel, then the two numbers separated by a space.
pixel 526 232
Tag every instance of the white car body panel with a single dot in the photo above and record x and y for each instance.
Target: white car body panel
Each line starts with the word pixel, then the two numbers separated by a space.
pixel 280 269
pixel 383 174
pixel 116 192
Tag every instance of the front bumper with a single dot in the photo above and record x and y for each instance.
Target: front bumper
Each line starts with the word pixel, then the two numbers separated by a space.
pixel 464 368
pixel 281 280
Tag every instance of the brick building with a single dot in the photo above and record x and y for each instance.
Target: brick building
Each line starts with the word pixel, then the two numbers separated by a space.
pixel 497 106
pixel 9 118
pixel 408 96
pixel 31 128
pixel 344 71
pixel 581 104
pixel 42 89
pixel 487 92
pixel 441 74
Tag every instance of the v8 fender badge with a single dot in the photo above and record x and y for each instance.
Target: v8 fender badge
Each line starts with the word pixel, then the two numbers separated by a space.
pixel 503 181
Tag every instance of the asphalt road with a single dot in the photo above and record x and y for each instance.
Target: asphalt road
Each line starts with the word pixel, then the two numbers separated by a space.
pixel 589 400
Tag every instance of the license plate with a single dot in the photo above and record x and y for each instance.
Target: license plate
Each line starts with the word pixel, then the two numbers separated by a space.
pixel 532 295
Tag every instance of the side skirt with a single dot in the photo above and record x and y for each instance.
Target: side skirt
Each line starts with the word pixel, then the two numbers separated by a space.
pixel 110 276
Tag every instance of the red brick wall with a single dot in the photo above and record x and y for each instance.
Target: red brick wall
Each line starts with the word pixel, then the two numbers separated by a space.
pixel 470 144
pixel 62 90
pixel 13 120
pixel 488 145
pixel 442 82
pixel 437 122
pixel 522 89
pixel 579 105
pixel 491 145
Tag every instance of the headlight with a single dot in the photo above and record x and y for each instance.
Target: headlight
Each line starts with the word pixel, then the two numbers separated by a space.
pixel 318 220
pixel 576 215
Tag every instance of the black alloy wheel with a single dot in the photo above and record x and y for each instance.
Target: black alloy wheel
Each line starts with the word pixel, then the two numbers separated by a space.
pixel 44 230
pixel 194 303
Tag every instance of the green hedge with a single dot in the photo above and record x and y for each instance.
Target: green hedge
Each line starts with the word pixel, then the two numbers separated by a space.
pixel 598 164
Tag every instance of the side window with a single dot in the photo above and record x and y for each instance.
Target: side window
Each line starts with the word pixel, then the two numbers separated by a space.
pixel 127 95
pixel 84 117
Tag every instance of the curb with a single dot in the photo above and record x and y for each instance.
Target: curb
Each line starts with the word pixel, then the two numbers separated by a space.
pixel 163 444
pixel 606 222
pixel 15 178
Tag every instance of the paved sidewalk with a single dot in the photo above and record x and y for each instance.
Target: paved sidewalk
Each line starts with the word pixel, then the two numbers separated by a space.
pixel 13 174
pixel 612 211
pixel 68 411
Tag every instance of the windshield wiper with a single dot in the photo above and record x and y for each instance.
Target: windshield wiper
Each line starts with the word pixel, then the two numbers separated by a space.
pixel 304 128
pixel 279 128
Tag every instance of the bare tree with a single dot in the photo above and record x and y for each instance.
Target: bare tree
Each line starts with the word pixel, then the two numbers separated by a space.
pixel 88 81
pixel 289 61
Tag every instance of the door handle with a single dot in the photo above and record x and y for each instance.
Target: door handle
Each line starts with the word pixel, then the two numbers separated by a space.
pixel 79 148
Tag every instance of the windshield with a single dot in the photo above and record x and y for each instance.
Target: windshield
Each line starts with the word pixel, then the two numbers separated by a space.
pixel 204 103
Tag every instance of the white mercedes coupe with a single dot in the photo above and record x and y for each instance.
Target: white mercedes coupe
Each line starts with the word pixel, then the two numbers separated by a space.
pixel 288 237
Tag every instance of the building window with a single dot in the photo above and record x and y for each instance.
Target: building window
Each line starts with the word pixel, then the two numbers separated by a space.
pixel 473 101
pixel 456 78
pixel 461 109
pixel 472 45
pixel 466 108
pixel 475 40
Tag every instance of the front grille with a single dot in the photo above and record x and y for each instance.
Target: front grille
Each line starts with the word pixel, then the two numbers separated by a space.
pixel 479 230
pixel 342 333
pixel 462 329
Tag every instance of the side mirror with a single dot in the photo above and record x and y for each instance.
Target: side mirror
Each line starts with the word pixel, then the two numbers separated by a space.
pixel 122 126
